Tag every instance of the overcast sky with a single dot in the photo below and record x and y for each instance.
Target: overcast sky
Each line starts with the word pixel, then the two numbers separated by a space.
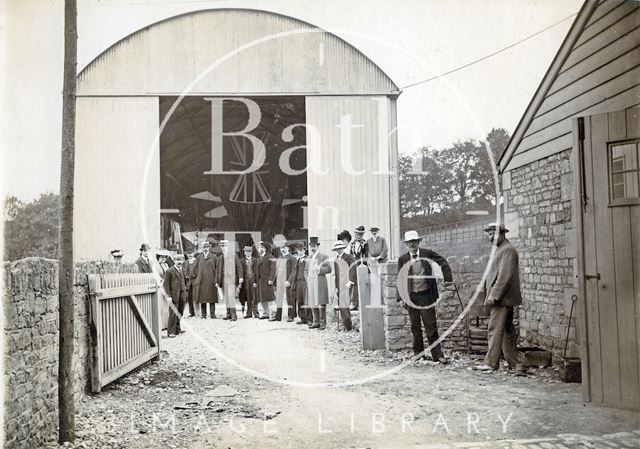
pixel 410 40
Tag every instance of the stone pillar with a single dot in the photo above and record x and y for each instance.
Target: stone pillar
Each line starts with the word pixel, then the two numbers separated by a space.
pixel 371 311
pixel 396 319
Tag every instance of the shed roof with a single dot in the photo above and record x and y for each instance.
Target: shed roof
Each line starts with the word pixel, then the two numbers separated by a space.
pixel 233 51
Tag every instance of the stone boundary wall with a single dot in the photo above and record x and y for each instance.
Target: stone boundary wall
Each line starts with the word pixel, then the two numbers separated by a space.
pixel 466 274
pixel 30 293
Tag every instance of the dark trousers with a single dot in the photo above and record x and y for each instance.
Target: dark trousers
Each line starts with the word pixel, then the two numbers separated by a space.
pixel 212 309
pixel 291 306
pixel 502 337
pixel 248 298
pixel 427 316
pixel 300 293
pixel 173 325
pixel 192 310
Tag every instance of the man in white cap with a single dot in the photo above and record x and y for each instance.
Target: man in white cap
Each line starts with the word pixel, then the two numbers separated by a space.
pixel 418 292
pixel 229 278
pixel 345 278
pixel 501 291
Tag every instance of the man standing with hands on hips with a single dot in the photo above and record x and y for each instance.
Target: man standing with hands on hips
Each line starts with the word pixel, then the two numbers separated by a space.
pixel 501 294
pixel 418 293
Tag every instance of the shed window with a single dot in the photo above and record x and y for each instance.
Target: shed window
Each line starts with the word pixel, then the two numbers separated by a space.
pixel 625 173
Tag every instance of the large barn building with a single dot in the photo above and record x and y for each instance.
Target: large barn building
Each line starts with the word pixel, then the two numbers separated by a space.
pixel 237 124
pixel 571 187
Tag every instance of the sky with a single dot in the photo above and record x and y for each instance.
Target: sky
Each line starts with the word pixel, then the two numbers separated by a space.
pixel 411 40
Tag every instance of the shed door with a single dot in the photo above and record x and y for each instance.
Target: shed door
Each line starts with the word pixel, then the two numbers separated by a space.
pixel 611 230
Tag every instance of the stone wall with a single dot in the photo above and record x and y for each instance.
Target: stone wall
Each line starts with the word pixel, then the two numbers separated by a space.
pixel 539 212
pixel 31 346
pixel 466 275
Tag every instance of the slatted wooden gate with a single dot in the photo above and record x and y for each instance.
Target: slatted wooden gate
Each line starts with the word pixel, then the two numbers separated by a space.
pixel 125 325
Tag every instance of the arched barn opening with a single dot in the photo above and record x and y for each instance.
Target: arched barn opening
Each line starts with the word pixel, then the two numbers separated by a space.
pixel 236 124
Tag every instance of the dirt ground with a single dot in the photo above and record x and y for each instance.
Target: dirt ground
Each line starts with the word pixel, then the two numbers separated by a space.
pixel 259 384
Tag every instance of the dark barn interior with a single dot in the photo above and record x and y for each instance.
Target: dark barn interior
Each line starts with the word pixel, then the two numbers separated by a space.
pixel 267 201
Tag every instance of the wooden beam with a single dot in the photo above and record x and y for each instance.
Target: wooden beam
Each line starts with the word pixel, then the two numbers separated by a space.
pixel 146 328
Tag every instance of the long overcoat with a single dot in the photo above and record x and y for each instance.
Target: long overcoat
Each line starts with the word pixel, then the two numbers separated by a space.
pixel 316 270
pixel 266 274
pixel 206 278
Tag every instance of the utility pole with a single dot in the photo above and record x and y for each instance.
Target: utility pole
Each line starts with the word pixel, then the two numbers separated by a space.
pixel 66 406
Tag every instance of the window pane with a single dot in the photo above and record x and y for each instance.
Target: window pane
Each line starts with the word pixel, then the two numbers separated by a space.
pixel 624 157
pixel 624 185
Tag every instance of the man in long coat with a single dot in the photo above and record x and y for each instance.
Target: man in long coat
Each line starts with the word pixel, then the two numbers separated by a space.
pixel 248 293
pixel 284 266
pixel 418 293
pixel 266 277
pixel 345 278
pixel 358 249
pixel 175 286
pixel 229 278
pixel 206 278
pixel 190 270
pixel 501 294
pixel 316 269
pixel 298 283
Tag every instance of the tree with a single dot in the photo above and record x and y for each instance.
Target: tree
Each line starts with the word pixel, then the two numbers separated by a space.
pixel 66 406
pixel 30 230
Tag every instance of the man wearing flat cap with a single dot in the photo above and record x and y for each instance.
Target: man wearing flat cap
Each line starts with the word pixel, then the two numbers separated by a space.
pixel 501 291
pixel 418 293
pixel 377 246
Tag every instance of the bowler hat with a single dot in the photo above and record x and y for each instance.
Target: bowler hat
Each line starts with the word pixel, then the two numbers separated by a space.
pixel 374 229
pixel 145 247
pixel 411 235
pixel 494 226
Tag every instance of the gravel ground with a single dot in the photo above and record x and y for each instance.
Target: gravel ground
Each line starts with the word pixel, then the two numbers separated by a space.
pixel 261 384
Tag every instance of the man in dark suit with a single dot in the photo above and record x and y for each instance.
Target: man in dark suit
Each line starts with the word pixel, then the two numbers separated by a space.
pixel 206 291
pixel 142 262
pixel 175 285
pixel 190 269
pixel 249 289
pixel 345 278
pixel 501 291
pixel 418 293
pixel 229 278
pixel 316 269
pixel 298 283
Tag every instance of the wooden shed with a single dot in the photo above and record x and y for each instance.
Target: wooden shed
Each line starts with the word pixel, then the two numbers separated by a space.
pixel 153 108
pixel 571 189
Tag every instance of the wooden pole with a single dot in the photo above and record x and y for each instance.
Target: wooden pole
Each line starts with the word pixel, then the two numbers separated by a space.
pixel 66 407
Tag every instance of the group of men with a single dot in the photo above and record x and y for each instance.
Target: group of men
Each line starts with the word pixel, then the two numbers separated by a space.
pixel 295 280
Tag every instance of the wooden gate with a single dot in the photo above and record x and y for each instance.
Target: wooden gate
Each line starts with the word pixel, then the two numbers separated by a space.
pixel 609 158
pixel 124 326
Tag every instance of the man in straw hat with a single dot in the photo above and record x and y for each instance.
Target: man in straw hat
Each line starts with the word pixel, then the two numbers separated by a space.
pixel 501 292
pixel 345 278
pixel 418 292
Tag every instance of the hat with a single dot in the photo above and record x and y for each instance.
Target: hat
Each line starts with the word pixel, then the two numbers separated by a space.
pixel 117 253
pixel 360 229
pixel 411 235
pixel 173 247
pixel 206 244
pixel 224 242
pixel 299 245
pixel 162 252
pixel 178 256
pixel 374 229
pixel 247 248
pixel 345 235
pixel 145 247
pixel 493 226
pixel 339 245
pixel 313 241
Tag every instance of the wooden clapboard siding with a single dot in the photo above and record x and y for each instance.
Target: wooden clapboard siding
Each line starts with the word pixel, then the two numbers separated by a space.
pixel 359 198
pixel 597 69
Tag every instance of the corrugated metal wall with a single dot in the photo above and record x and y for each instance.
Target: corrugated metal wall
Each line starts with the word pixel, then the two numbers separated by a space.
pixel 339 200
pixel 601 74
pixel 114 144
pixel 165 58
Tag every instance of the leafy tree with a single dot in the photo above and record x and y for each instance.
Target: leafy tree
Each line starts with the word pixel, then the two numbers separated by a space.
pixel 31 229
